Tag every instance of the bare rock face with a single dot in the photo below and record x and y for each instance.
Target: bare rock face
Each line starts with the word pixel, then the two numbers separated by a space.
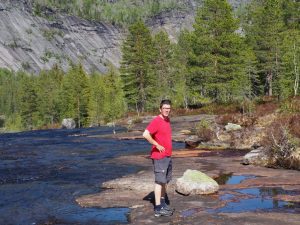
pixel 33 43
pixel 68 123
pixel 194 182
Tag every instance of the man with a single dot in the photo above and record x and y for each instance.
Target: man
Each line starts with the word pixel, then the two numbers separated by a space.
pixel 159 134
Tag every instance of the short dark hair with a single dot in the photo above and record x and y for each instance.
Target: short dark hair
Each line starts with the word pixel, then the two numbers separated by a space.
pixel 165 102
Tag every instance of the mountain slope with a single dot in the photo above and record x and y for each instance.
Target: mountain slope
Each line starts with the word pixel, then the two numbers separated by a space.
pixel 33 43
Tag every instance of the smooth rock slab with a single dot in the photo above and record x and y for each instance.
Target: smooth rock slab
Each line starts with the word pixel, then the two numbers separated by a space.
pixel 194 182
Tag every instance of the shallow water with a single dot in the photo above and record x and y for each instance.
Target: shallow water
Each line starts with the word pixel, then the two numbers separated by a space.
pixel 42 173
pixel 253 199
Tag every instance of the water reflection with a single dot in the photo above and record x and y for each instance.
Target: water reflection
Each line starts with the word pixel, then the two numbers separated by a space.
pixel 252 199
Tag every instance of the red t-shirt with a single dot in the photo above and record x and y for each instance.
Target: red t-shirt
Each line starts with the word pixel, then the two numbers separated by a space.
pixel 161 132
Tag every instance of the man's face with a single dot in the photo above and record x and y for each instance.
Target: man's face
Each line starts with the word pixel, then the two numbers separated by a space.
pixel 165 110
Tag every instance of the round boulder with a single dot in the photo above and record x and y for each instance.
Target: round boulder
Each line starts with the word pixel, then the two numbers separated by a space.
pixel 194 182
pixel 68 123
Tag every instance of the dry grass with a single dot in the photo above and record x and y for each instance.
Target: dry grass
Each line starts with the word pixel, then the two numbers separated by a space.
pixel 281 144
pixel 291 105
pixel 294 124
pixel 266 108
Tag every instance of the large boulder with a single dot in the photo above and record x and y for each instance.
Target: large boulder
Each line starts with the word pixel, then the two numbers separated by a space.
pixel 256 157
pixel 194 182
pixel 68 123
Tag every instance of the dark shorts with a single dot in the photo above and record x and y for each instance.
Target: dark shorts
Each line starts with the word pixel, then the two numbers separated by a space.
pixel 162 170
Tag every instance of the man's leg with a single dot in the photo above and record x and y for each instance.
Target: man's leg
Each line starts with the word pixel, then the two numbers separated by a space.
pixel 157 193
pixel 164 188
pixel 163 194
pixel 160 169
pixel 159 209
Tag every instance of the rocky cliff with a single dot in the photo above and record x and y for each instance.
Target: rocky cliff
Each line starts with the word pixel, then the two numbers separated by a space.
pixel 32 43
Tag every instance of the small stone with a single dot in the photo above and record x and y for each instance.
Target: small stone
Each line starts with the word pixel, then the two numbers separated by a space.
pixel 232 126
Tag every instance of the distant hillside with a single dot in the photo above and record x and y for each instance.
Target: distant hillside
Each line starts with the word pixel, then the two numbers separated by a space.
pixel 37 34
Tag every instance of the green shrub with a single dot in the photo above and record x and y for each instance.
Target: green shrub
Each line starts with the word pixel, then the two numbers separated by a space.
pixel 25 65
pixel 14 123
pixel 49 34
pixel 204 130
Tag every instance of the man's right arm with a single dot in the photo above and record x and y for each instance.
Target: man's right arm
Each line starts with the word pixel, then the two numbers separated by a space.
pixel 150 139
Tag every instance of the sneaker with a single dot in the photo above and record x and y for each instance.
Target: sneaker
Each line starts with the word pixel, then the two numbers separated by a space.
pixel 162 212
pixel 168 208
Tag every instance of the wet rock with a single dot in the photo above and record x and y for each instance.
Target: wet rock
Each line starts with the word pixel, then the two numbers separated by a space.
pixel 256 157
pixel 194 182
pixel 140 182
pixel 192 141
pixel 68 123
pixel 232 126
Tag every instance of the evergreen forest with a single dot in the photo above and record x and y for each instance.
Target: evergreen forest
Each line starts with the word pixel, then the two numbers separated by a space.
pixel 230 57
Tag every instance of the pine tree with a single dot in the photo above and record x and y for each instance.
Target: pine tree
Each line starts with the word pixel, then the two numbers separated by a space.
pixel 162 68
pixel 215 62
pixel 289 79
pixel 263 30
pixel 136 67
pixel 74 95
pixel 8 92
pixel 48 88
pixel 28 100
pixel 181 92
pixel 96 102
pixel 114 104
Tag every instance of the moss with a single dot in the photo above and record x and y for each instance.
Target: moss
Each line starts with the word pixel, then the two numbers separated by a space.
pixel 196 176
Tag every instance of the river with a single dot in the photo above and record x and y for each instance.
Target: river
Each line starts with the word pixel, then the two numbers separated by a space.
pixel 42 173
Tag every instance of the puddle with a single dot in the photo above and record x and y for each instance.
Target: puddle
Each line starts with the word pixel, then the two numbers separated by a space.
pixel 257 199
pixel 232 179
pixel 246 205
pixel 253 199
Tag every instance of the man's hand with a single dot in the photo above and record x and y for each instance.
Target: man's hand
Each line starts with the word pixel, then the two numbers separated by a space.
pixel 149 138
pixel 160 148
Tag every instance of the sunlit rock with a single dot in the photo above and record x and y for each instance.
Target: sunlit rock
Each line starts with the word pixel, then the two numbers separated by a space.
pixel 68 123
pixel 232 126
pixel 194 182
pixel 256 157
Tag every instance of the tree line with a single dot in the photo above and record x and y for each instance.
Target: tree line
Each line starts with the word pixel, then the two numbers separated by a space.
pixel 229 56
pixel 116 12
pixel 29 101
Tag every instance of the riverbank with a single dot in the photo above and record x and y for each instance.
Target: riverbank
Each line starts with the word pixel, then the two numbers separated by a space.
pixel 248 194
pixel 242 201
